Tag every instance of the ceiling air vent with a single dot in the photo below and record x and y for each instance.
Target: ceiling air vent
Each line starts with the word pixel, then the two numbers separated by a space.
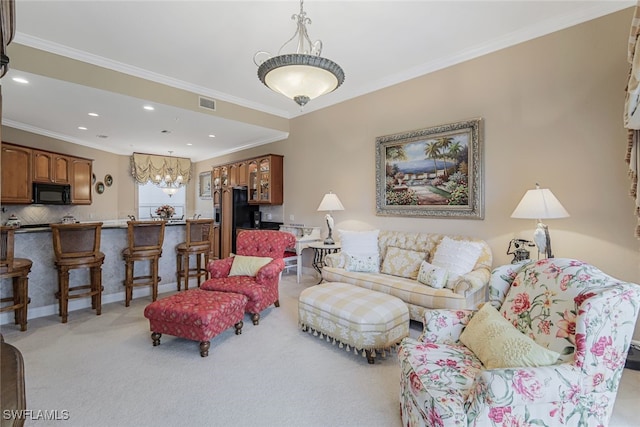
pixel 209 104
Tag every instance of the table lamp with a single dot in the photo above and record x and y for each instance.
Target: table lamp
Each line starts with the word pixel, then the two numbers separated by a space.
pixel 330 202
pixel 540 204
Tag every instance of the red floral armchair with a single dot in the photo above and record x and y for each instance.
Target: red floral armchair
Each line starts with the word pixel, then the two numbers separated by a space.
pixel 584 315
pixel 261 289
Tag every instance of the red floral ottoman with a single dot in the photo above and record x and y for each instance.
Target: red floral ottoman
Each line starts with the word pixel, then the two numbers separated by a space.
pixel 197 315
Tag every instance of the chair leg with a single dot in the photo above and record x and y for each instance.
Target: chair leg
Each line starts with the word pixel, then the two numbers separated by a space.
pixel 185 271
pixel 128 282
pixel 96 281
pixel 24 300
pixel 63 290
pixel 178 268
pixel 255 318
pixel 154 273
pixel 198 267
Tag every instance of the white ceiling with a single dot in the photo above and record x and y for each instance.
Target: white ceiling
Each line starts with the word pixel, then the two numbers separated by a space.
pixel 207 47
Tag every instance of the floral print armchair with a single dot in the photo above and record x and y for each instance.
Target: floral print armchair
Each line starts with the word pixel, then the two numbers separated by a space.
pixel 564 305
pixel 261 289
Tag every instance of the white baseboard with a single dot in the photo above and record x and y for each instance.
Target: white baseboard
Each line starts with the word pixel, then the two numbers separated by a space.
pixel 50 310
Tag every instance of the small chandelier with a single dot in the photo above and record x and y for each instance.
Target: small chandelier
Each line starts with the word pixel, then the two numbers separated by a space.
pixel 303 75
pixel 172 181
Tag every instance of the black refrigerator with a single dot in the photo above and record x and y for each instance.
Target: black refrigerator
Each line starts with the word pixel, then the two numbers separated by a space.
pixel 243 213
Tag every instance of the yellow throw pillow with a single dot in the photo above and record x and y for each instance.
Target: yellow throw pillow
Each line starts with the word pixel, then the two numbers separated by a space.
pixel 402 262
pixel 498 344
pixel 248 265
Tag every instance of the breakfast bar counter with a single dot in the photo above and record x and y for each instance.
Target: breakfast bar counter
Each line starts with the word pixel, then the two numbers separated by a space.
pixel 36 244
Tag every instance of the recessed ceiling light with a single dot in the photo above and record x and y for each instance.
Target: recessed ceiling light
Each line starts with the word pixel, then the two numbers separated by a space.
pixel 82 128
pixel 102 136
pixel 189 144
pixel 212 136
pixel 148 107
pixel 93 114
pixel 20 80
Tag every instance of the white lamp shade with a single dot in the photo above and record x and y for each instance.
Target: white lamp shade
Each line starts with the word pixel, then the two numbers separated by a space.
pixel 539 203
pixel 330 202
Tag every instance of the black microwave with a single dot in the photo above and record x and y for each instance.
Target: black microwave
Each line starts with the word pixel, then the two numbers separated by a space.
pixel 51 194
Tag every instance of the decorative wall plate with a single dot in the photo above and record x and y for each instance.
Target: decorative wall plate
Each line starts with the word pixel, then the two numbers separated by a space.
pixel 108 180
pixel 100 187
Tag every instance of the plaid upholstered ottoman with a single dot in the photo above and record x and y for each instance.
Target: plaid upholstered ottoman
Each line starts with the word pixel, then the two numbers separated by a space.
pixel 368 321
pixel 197 315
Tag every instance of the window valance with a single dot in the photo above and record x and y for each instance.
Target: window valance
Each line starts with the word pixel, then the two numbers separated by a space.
pixel 146 167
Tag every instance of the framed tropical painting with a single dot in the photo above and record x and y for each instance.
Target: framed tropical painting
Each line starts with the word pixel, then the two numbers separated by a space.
pixel 432 172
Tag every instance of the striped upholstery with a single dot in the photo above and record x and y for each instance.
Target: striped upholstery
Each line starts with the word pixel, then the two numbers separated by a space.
pixel 354 316
pixel 468 293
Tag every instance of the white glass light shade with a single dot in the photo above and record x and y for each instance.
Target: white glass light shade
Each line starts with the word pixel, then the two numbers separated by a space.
pixel 539 204
pixel 301 77
pixel 330 202
pixel 170 190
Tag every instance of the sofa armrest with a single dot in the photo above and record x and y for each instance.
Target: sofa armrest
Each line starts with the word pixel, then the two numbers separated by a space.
pixel 269 271
pixel 220 267
pixel 526 386
pixel 472 281
pixel 444 326
pixel 334 260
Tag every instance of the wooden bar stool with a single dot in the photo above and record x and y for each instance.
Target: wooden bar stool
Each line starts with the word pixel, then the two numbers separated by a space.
pixel 17 269
pixel 199 243
pixel 78 246
pixel 145 240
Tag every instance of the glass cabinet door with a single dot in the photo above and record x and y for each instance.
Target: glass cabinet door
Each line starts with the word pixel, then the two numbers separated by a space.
pixel 224 176
pixel 265 180
pixel 253 181
pixel 215 178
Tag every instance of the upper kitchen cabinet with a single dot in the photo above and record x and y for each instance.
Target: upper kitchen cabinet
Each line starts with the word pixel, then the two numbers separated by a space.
pixel 242 174
pixel 50 167
pixel 265 179
pixel 16 174
pixel 81 170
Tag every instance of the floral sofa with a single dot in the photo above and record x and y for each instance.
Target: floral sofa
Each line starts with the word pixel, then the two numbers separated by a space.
pixel 565 307
pixel 466 292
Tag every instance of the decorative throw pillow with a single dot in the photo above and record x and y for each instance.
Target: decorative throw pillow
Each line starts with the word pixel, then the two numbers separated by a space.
pixel 364 263
pixel 359 242
pixel 248 265
pixel 402 262
pixel 432 275
pixel 498 344
pixel 458 257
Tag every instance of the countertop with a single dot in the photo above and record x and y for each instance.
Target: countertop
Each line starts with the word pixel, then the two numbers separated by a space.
pixel 106 224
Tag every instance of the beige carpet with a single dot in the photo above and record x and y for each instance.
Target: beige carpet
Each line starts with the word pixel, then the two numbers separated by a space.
pixel 104 371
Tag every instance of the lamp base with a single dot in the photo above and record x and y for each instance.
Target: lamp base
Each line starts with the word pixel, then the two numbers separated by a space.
pixel 329 241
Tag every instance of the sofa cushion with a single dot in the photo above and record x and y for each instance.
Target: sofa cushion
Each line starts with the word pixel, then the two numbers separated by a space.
pixel 403 262
pixel 498 344
pixel 432 275
pixel 369 263
pixel 359 242
pixel 248 265
pixel 458 257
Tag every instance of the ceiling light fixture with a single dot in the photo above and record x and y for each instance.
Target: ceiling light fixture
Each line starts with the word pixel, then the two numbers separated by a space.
pixel 20 80
pixel 148 108
pixel 93 114
pixel 303 75
pixel 172 180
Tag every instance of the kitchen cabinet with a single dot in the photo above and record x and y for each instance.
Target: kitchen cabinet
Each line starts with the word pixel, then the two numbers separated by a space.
pixel 16 174
pixel 224 176
pixel 242 175
pixel 265 180
pixel 226 223
pixel 50 167
pixel 215 179
pixel 81 171
pixel 233 175
pixel 215 251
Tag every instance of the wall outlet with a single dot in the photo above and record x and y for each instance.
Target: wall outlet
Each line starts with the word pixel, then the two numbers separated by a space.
pixel 291 217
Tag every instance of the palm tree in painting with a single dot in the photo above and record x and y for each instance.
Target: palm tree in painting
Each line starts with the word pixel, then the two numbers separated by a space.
pixel 432 151
pixel 395 153
pixel 454 151
pixel 444 143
